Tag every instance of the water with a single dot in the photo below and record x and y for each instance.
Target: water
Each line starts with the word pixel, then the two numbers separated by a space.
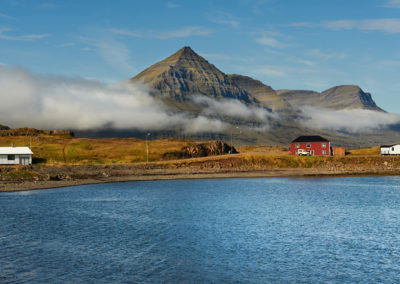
pixel 338 230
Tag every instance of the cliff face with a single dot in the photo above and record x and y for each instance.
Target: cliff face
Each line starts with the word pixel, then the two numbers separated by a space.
pixel 263 93
pixel 338 97
pixel 186 73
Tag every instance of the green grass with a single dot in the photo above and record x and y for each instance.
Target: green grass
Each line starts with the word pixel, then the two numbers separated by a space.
pixel 19 174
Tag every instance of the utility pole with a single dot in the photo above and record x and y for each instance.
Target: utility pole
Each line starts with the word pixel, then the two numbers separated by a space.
pixel 147 147
pixel 237 127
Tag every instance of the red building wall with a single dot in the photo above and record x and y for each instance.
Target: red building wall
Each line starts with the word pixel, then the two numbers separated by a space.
pixel 317 147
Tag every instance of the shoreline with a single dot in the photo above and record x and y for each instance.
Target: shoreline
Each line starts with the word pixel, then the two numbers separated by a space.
pixel 14 186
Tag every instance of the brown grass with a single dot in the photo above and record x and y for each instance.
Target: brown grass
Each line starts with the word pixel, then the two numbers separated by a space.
pixel 373 151
pixel 55 150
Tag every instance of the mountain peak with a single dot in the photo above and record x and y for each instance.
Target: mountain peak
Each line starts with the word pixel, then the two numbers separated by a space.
pixel 186 57
pixel 185 51
pixel 185 73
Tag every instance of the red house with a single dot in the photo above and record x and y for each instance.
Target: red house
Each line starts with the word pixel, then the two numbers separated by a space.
pixel 310 146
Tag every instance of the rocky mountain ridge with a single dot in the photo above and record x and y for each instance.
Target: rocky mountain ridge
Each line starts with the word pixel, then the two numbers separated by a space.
pixel 338 97
pixel 185 73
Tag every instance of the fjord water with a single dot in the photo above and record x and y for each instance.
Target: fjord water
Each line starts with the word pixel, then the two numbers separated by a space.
pixel 196 231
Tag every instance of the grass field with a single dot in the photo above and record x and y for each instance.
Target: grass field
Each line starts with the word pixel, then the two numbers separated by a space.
pixel 58 150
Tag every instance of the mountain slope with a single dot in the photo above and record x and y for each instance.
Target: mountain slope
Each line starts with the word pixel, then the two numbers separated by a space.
pixel 263 93
pixel 339 97
pixel 186 73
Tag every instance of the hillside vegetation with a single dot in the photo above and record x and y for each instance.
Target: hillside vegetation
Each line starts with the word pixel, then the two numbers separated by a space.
pixel 53 150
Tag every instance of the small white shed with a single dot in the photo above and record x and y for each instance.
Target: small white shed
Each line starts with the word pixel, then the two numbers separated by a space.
pixel 390 149
pixel 15 156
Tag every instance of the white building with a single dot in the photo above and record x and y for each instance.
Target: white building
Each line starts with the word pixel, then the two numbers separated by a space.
pixel 390 149
pixel 15 155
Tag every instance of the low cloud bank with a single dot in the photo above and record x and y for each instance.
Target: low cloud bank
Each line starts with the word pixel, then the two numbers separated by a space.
pixel 232 108
pixel 50 102
pixel 353 120
pixel 55 102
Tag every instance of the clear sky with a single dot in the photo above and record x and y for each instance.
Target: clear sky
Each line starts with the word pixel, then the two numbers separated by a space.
pixel 291 44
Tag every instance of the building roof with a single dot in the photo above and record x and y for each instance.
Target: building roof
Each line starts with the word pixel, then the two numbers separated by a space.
pixel 388 146
pixel 15 151
pixel 315 138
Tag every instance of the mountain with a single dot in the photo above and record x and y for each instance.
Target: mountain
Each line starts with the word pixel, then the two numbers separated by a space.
pixel 263 93
pixel 186 73
pixel 339 97
pixel 179 77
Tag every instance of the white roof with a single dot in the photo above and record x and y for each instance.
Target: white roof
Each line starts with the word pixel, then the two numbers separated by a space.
pixel 15 151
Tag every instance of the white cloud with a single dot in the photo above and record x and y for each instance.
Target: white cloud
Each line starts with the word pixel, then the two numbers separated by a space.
pixel 270 42
pixel 185 32
pixel 323 55
pixel 26 37
pixel 172 5
pixel 301 25
pixel 125 32
pixel 5 16
pixel 354 120
pixel 67 44
pixel 204 124
pixel 392 4
pixel 301 61
pixel 382 25
pixel 225 19
pixel 390 63
pixel 66 103
pixel 232 108
pixel 115 53
pixel 270 70
pixel 386 25
pixel 179 33
pixel 231 23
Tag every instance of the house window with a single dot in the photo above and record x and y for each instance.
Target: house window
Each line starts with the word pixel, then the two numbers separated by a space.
pixel 392 148
pixel 323 145
pixel 323 152
pixel 11 157
pixel 297 145
pixel 308 145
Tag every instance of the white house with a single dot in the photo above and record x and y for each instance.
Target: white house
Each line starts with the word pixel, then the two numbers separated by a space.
pixel 390 149
pixel 15 155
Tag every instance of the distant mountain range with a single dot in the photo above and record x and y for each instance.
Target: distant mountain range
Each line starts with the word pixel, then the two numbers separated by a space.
pixel 253 112
pixel 186 73
pixel 339 97
pixel 179 77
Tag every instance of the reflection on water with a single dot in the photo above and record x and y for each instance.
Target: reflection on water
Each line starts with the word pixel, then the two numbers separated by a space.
pixel 229 230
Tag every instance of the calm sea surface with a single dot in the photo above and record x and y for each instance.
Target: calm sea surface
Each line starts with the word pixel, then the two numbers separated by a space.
pixel 333 230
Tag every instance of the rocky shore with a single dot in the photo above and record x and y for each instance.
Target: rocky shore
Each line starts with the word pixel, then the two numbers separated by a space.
pixel 228 166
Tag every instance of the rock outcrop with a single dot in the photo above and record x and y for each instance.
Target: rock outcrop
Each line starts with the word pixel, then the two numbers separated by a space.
pixel 196 150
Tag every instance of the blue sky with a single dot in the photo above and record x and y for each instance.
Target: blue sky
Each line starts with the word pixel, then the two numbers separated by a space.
pixel 310 44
